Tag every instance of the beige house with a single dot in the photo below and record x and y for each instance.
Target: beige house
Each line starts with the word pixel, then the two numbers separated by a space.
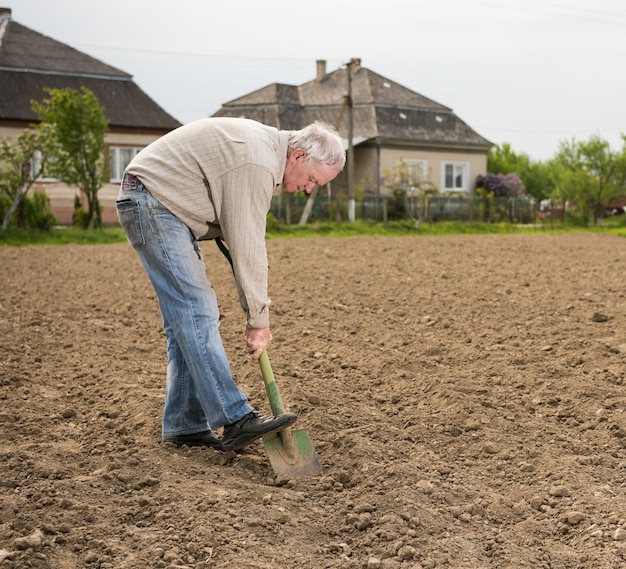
pixel 390 124
pixel 30 62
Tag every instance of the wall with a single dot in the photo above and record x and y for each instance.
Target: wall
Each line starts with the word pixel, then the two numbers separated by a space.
pixel 367 158
pixel 62 201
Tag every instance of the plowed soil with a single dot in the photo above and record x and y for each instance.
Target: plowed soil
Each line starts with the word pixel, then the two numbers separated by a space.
pixel 465 396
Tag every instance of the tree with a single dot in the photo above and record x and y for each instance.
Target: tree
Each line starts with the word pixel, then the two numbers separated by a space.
pixel 589 174
pixel 80 126
pixel 21 164
pixel 502 160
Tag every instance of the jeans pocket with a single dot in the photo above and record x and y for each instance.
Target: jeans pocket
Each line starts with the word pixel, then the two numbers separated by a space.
pixel 130 219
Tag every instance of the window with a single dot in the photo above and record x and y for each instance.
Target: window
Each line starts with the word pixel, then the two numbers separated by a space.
pixel 35 167
pixel 418 172
pixel 119 158
pixel 455 176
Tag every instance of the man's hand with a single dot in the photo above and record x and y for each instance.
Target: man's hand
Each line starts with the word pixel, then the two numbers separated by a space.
pixel 257 339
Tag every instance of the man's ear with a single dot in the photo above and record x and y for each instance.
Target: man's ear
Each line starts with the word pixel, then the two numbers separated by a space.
pixel 296 155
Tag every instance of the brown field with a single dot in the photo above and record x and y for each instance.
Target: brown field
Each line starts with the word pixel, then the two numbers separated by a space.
pixel 465 396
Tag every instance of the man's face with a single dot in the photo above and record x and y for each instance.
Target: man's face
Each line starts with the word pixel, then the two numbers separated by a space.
pixel 303 175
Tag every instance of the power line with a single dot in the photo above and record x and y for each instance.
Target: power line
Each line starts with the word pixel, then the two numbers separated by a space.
pixel 160 53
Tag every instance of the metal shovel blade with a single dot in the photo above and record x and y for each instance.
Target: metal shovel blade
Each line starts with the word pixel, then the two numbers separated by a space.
pixel 291 454
pixel 290 451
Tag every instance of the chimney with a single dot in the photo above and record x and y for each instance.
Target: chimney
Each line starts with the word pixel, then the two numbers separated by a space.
pixel 321 69
pixel 5 18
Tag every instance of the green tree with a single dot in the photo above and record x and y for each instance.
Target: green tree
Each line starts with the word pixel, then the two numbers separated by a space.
pixel 537 180
pixel 80 126
pixel 21 164
pixel 501 159
pixel 588 174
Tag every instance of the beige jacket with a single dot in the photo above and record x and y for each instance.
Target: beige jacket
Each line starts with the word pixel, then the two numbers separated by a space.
pixel 218 175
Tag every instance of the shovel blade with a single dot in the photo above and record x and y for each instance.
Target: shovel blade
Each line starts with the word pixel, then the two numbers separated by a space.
pixel 291 454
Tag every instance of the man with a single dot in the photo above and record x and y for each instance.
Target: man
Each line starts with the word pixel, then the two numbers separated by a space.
pixel 214 178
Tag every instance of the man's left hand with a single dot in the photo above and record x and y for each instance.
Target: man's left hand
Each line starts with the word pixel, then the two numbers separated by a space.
pixel 257 339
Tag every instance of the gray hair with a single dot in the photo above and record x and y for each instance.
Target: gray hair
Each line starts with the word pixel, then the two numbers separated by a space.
pixel 321 142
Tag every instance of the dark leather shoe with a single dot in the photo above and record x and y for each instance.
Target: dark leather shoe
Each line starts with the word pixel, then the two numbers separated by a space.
pixel 203 439
pixel 252 426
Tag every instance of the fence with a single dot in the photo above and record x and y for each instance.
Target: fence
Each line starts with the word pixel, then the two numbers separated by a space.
pixel 288 208
pixel 457 208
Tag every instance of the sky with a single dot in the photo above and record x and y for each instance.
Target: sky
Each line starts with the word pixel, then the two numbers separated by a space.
pixel 532 74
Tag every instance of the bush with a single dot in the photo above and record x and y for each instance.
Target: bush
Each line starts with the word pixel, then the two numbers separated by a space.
pixel 272 225
pixel 397 205
pixel 80 216
pixel 576 219
pixel 501 185
pixel 37 212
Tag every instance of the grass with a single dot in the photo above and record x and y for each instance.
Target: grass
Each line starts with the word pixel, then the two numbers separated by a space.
pixel 64 236
pixel 377 229
pixel 405 228
pixel 61 236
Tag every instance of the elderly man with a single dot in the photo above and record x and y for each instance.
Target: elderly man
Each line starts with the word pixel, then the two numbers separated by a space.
pixel 214 178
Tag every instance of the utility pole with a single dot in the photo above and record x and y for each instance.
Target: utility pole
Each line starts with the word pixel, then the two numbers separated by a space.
pixel 353 63
pixel 309 203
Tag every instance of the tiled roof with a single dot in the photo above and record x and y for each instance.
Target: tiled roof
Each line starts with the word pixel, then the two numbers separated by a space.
pixel 381 109
pixel 30 62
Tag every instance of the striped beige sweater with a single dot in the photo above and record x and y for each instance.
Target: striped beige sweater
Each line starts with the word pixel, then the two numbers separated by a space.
pixel 218 175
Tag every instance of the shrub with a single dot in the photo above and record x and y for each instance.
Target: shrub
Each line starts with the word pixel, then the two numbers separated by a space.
pixel 37 212
pixel 272 225
pixel 501 185
pixel 397 204
pixel 80 216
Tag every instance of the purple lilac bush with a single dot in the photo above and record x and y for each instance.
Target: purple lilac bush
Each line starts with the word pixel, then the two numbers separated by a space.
pixel 502 185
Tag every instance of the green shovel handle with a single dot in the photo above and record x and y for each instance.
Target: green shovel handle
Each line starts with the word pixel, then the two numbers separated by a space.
pixel 271 387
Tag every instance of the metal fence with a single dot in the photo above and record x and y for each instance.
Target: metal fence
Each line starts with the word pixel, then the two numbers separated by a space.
pixel 289 209
pixel 456 208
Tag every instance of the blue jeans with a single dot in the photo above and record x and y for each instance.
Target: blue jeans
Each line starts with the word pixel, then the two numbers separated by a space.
pixel 200 393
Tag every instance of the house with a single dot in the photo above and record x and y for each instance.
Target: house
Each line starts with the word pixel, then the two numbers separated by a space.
pixel 30 62
pixel 390 125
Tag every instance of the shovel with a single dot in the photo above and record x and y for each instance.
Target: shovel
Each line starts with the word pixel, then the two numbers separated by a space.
pixel 290 451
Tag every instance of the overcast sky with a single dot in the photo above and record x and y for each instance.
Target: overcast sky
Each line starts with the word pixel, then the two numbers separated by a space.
pixel 531 73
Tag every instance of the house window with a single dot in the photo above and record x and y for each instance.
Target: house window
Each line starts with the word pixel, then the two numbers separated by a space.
pixel 119 158
pixel 35 167
pixel 455 176
pixel 418 172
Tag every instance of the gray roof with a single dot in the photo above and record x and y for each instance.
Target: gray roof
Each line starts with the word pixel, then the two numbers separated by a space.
pixel 382 109
pixel 30 62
